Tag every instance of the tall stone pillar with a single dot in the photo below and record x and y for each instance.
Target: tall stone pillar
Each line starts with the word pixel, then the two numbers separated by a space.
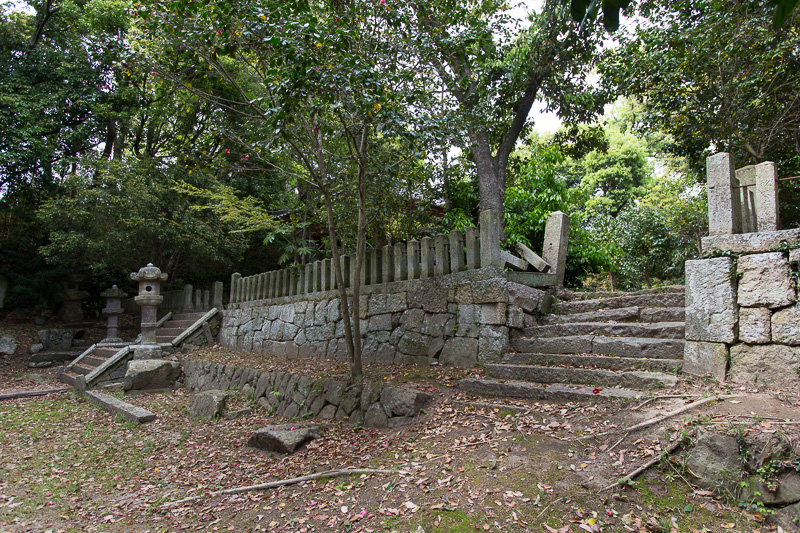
pixel 556 242
pixel 767 197
pixel 724 210
pixel 490 239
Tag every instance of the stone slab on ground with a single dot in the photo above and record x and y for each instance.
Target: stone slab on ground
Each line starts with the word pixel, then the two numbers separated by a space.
pixel 524 389
pixel 597 377
pixel 597 361
pixel 115 406
pixel 284 438
pixel 208 404
pixel 151 374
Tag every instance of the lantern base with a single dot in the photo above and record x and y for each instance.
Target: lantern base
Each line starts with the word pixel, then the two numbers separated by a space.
pixel 147 351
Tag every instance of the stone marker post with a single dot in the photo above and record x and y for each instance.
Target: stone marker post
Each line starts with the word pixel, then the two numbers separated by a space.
pixel 746 194
pixel 217 298
pixel 724 214
pixel 235 277
pixel 441 254
pixel 472 237
pixel 400 262
pixel 112 310
pixel 456 251
pixel 149 298
pixel 490 239
pixel 556 241
pixel 767 197
pixel 198 300
pixel 413 259
pixel 426 257
pixel 187 298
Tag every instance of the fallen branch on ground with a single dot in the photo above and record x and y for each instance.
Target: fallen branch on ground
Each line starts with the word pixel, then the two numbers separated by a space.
pixel 284 482
pixel 29 393
pixel 629 478
pixel 661 418
pixel 662 397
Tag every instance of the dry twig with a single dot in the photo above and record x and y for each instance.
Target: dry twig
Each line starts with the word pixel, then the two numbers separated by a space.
pixel 627 479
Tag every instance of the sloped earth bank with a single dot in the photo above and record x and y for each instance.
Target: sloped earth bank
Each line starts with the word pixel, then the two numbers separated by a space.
pixel 65 465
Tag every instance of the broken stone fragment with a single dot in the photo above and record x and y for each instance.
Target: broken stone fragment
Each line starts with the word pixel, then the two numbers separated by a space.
pixel 208 404
pixel 151 374
pixel 285 438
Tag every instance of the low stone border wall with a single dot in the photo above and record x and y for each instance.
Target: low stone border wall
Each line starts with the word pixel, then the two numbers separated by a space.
pixel 290 395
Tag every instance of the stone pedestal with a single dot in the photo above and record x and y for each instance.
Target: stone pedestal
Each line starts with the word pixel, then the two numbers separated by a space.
pixel 149 298
pixel 112 310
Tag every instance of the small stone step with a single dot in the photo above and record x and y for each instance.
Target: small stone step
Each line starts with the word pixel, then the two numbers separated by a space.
pixel 623 314
pixel 661 330
pixel 105 353
pixel 595 344
pixel 91 360
pixel 584 376
pixel 607 294
pixel 524 389
pixel 668 299
pixel 170 332
pixel 194 317
pixel 597 361
pixel 115 406
pixel 82 368
pixel 68 378
pixel 180 324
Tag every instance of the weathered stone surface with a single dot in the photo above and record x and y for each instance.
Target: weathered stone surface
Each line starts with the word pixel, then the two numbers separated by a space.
pixel 787 518
pixel 493 314
pixel 460 351
pixel 710 300
pixel 412 343
pixel 492 343
pixel 490 291
pixel 765 241
pixel 335 391
pixel 131 413
pixel 208 404
pixel 151 374
pixel 412 319
pixel 375 417
pixel 328 412
pixel 794 257
pixel 786 493
pixel 8 346
pixel 529 299
pixel 284 438
pixel 387 303
pixel 766 281
pixel 786 326
pixel 775 364
pixel 403 402
pixel 430 298
pixel 714 462
pixel 705 359
pixel 370 393
pixel 380 322
pixel 754 325
pixel 57 339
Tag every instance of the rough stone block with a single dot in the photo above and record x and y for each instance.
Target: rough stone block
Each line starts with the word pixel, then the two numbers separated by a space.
pixel 516 317
pixel 714 462
pixel 490 291
pixel 375 417
pixel 460 352
pixel 794 255
pixel 766 281
pixel 705 359
pixel 209 404
pixel 493 314
pixel 380 322
pixel 412 319
pixel 492 343
pixel 529 299
pixel 285 438
pixel 8 346
pixel 711 313
pixel 786 326
pixel 57 339
pixel 431 299
pixel 754 325
pixel 403 402
pixel 151 374
pixel 412 343
pixel 775 364
pixel 387 303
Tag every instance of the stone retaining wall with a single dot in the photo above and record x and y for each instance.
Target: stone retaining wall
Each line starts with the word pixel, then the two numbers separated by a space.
pixel 742 310
pixel 457 319
pixel 291 395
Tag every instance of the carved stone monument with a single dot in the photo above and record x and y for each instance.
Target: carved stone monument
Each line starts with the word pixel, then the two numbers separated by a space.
pixel 112 310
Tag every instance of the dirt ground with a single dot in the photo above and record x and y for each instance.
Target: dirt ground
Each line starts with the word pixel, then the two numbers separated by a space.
pixel 465 464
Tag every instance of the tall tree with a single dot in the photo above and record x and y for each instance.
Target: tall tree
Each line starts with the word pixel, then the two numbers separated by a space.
pixel 493 72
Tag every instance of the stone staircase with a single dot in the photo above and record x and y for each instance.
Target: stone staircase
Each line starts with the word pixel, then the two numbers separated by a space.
pixel 176 325
pixel 99 364
pixel 597 345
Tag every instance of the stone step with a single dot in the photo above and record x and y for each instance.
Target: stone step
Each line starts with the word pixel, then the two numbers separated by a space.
pixel 667 299
pixel 68 378
pixel 608 294
pixel 532 391
pixel 82 368
pixel 193 317
pixel 93 361
pixel 583 376
pixel 623 314
pixel 104 352
pixel 115 406
pixel 660 330
pixel 597 361
pixel 170 331
pixel 161 339
pixel 180 324
pixel 595 344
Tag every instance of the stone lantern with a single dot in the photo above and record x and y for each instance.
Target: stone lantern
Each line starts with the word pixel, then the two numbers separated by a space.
pixel 149 298
pixel 112 310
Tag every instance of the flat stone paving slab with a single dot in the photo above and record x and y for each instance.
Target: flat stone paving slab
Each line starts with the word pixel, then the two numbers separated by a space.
pixel 606 378
pixel 522 389
pixel 115 406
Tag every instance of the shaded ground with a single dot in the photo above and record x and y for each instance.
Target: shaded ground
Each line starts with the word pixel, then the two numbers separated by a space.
pixel 66 465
